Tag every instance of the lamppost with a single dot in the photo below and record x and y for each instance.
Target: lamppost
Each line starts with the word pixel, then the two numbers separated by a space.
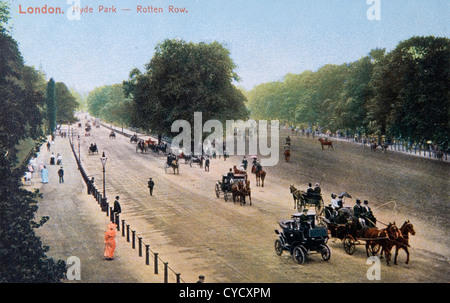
pixel 79 140
pixel 103 160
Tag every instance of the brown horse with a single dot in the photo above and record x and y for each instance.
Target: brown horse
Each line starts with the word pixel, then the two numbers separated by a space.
pixel 403 242
pixel 385 237
pixel 326 143
pixel 260 176
pixel 246 191
pixel 287 156
pixel 297 195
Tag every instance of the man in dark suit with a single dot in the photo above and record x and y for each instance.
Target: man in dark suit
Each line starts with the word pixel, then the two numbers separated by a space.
pixel 150 186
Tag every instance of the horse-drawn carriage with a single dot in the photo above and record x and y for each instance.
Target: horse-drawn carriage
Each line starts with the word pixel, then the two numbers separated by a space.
pixel 93 148
pixel 142 146
pixel 349 229
pixel 236 187
pixel 301 239
pixel 134 138
pixel 172 162
pixel 304 199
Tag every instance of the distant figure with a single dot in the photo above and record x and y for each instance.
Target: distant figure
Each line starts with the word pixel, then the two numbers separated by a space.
pixel 61 175
pixel 52 159
pixel 244 163
pixel 117 209
pixel 151 184
pixel 110 241
pixel 207 164
pixel 201 279
pixel 48 145
pixel 44 175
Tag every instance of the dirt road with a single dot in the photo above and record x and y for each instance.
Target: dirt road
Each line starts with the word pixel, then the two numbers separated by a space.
pixel 198 233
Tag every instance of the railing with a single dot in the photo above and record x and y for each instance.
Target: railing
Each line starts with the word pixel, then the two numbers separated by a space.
pixel 114 217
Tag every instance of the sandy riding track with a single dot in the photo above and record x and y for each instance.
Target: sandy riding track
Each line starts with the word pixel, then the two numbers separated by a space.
pixel 198 233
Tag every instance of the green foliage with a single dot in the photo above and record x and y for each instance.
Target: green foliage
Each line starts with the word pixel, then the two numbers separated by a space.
pixel 109 103
pixel 22 255
pixel 51 106
pixel 404 93
pixel 183 78
pixel 65 103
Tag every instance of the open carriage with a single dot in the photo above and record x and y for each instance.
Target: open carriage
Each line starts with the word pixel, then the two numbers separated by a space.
pixel 224 187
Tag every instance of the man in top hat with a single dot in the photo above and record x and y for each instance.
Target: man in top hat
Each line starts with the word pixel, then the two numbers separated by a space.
pixel 358 211
pixel 150 186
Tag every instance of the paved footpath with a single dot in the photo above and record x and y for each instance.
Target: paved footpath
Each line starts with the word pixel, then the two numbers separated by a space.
pixel 77 225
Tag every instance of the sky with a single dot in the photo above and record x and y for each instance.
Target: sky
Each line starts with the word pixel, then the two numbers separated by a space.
pixel 267 39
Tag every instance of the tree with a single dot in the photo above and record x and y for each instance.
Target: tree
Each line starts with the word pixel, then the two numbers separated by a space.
pixel 183 78
pixel 51 106
pixel 65 103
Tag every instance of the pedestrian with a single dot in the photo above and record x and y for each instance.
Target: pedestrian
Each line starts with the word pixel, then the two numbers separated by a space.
pixel 201 279
pixel 52 159
pixel 150 186
pixel 110 241
pixel 48 145
pixel 244 163
pixel 117 209
pixel 207 164
pixel 44 175
pixel 61 175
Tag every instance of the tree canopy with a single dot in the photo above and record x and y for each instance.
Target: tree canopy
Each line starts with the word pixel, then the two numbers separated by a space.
pixel 183 78
pixel 400 94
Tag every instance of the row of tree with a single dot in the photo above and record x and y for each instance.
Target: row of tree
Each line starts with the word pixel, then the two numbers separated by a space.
pixel 24 99
pixel 400 94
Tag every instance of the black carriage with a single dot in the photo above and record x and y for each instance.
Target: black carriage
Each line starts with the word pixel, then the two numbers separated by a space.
pixel 93 149
pixel 301 239
pixel 194 159
pixel 172 162
pixel 112 134
pixel 224 186
pixel 308 200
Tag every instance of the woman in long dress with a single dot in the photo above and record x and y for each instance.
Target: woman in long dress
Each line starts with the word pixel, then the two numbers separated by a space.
pixel 110 241
pixel 44 175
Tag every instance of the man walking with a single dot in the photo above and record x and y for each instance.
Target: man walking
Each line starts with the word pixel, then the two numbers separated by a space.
pixel 207 164
pixel 150 186
pixel 61 175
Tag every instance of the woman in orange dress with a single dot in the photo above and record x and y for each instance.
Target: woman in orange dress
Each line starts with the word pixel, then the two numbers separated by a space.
pixel 110 241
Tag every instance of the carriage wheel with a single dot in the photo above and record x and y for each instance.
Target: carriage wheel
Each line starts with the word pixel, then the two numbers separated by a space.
pixel 217 191
pixel 325 252
pixel 349 244
pixel 278 247
pixel 299 255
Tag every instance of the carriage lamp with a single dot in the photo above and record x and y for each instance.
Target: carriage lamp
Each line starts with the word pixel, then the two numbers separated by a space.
pixel 103 159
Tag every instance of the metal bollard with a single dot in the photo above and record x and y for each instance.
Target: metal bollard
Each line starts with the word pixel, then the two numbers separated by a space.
pixel 140 246
pixel 107 208
pixel 117 221
pixel 156 263
pixel 123 228
pixel 128 233
pixel 178 278
pixel 166 272
pixel 147 254
pixel 111 214
pixel 133 242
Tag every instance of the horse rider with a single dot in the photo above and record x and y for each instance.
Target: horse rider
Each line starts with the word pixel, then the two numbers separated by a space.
pixel 358 211
pixel 288 140
pixel 258 167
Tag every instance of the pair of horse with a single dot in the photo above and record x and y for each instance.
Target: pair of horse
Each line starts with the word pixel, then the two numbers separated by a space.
pixel 240 190
pixel 389 237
